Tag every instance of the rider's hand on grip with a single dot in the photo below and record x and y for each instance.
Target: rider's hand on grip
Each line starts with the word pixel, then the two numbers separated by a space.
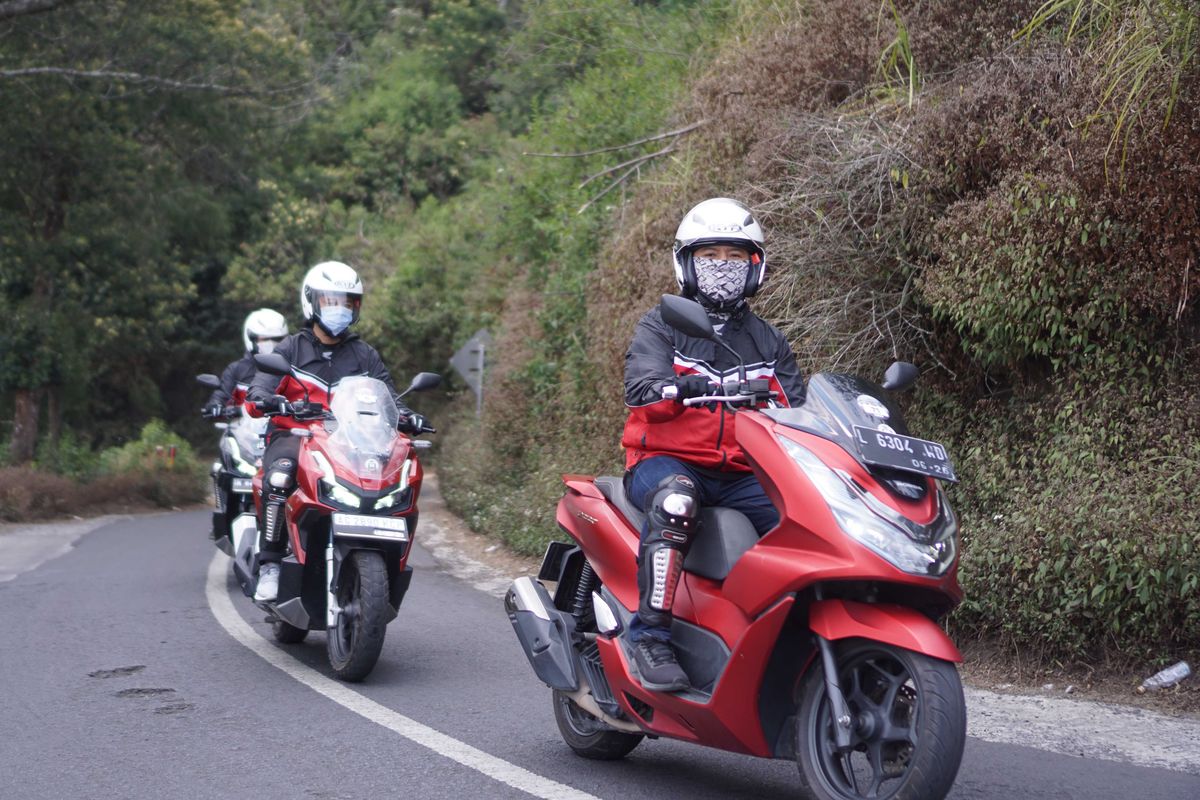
pixel 276 403
pixel 692 386
pixel 212 410
pixel 414 424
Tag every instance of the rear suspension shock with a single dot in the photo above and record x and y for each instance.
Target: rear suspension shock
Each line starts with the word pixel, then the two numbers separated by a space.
pixel 583 591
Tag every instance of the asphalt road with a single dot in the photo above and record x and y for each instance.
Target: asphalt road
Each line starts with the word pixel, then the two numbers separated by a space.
pixel 129 672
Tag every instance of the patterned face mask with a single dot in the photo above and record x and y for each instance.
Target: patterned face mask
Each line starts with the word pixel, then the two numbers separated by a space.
pixel 720 280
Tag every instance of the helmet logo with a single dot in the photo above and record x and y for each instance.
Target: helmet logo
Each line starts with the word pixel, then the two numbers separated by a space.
pixel 730 228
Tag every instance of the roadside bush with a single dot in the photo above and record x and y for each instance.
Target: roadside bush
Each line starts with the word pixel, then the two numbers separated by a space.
pixel 1080 533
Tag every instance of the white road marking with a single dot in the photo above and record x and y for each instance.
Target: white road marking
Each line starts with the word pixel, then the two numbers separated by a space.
pixel 461 752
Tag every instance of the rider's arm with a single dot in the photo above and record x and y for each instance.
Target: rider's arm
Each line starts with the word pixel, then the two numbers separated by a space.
pixel 787 372
pixel 649 366
pixel 223 393
pixel 264 386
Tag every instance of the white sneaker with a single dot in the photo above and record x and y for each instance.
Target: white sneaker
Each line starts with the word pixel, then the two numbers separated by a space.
pixel 268 583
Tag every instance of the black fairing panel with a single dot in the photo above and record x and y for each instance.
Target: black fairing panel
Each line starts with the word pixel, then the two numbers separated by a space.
pixel 722 536
pixel 835 404
pixel 833 400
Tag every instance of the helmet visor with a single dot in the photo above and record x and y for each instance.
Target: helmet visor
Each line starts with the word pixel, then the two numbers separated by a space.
pixel 324 298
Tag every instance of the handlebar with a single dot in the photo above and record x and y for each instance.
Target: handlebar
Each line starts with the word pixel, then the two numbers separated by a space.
pixel 228 412
pixel 299 410
pixel 746 393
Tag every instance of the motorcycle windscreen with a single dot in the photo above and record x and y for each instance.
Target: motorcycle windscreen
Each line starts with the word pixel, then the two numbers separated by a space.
pixel 365 417
pixel 249 431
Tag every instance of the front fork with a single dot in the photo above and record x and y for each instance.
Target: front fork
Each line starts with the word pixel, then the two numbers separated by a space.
pixel 332 609
pixel 843 722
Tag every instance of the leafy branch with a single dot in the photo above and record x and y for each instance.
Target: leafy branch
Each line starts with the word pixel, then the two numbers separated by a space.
pixel 1145 49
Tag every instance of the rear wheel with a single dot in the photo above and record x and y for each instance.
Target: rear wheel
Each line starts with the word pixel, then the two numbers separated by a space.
pixel 588 736
pixel 909 726
pixel 287 633
pixel 355 642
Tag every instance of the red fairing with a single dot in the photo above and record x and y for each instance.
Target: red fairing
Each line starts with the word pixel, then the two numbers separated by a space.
pixel 897 625
pixel 808 546
pixel 307 495
pixel 730 719
pixel 609 541
pixel 779 576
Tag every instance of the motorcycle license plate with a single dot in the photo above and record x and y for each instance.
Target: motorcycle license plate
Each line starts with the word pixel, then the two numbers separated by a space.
pixel 394 528
pixel 904 452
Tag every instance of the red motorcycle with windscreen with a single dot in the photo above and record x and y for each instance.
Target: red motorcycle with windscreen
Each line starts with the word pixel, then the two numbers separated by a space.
pixel 348 523
pixel 818 642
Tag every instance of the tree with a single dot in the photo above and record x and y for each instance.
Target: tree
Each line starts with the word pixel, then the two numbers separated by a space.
pixel 134 143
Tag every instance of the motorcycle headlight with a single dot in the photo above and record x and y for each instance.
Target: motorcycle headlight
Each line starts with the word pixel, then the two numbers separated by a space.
pixel 339 494
pixel 878 527
pixel 399 495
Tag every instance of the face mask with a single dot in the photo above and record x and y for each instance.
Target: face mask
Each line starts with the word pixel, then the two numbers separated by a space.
pixel 719 280
pixel 336 319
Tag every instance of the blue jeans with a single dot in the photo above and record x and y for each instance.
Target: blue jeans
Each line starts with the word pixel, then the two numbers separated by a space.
pixel 740 491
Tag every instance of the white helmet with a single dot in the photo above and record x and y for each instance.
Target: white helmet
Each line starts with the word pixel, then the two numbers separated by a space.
pixel 262 330
pixel 714 222
pixel 331 296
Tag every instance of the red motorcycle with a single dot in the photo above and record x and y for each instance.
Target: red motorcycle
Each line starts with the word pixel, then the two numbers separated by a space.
pixel 349 521
pixel 818 642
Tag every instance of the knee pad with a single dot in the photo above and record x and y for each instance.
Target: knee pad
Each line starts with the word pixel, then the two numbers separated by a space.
pixel 674 510
pixel 280 475
pixel 663 565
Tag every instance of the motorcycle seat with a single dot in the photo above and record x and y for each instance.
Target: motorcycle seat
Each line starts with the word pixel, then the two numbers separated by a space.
pixel 724 533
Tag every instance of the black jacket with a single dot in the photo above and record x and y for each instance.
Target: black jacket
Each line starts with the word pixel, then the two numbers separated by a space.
pixel 699 435
pixel 235 380
pixel 318 367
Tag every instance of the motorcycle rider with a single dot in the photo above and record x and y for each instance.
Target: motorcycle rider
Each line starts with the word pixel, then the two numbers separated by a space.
pixel 262 331
pixel 679 458
pixel 321 353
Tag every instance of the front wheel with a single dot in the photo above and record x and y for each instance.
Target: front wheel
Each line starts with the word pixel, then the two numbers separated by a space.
pixel 909 726
pixel 588 736
pixel 355 642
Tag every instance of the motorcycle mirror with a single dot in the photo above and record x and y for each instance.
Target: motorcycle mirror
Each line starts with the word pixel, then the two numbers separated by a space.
pixel 689 318
pixel 273 364
pixel 900 375
pixel 207 380
pixel 686 316
pixel 424 381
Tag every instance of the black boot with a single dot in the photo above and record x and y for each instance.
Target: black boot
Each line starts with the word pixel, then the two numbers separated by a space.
pixel 657 666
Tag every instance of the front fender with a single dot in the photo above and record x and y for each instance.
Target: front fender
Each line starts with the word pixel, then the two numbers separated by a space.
pixel 891 624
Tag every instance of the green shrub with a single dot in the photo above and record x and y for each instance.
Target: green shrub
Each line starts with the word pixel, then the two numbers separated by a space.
pixel 1026 271
pixel 1080 532
pixel 71 456
pixel 156 450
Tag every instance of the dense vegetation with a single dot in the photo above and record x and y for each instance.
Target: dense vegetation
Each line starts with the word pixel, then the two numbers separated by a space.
pixel 1004 193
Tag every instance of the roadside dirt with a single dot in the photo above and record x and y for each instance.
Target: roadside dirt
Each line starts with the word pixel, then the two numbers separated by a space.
pixel 989 666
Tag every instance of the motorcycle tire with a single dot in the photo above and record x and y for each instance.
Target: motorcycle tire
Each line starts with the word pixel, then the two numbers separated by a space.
pixel 286 633
pixel 910 726
pixel 588 736
pixel 355 642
